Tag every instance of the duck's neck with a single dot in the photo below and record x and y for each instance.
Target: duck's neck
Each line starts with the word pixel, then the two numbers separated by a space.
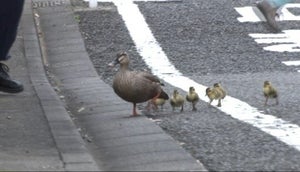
pixel 124 66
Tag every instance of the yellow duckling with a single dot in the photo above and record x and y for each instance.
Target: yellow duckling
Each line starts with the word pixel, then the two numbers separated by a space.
pixel 269 92
pixel 177 100
pixel 216 93
pixel 161 100
pixel 192 97
pixel 219 87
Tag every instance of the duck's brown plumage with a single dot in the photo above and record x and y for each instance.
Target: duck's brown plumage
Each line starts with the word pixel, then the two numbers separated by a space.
pixel 134 86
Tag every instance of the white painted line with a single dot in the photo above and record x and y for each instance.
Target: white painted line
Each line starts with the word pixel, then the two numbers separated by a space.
pixel 160 65
pixel 93 3
pixel 287 15
pixel 292 63
pixel 287 41
pixel 250 13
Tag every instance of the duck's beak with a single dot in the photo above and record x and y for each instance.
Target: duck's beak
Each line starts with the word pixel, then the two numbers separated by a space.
pixel 113 63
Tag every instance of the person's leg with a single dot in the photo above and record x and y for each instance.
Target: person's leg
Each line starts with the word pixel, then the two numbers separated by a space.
pixel 269 9
pixel 10 14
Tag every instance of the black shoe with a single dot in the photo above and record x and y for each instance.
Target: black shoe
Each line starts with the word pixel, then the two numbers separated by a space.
pixel 6 84
pixel 269 13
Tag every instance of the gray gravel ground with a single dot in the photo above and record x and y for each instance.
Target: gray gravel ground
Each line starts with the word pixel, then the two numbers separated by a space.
pixel 104 44
pixel 207 32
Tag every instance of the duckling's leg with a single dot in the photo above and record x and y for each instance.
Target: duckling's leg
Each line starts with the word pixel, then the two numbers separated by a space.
pixel 149 105
pixel 219 103
pixel 161 107
pixel 209 103
pixel 194 107
pixel 277 102
pixel 266 100
pixel 153 100
pixel 155 106
pixel 181 108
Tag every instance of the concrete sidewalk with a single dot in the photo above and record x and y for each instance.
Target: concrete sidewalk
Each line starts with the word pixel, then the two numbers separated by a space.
pixel 68 118
pixel 26 140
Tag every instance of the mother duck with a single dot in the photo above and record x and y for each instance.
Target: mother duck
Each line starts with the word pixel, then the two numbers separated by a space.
pixel 135 86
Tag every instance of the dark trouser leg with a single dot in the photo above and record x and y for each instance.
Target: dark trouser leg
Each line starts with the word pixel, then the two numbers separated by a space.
pixel 10 14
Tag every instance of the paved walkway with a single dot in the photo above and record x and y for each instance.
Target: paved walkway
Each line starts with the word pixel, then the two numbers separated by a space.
pixel 68 118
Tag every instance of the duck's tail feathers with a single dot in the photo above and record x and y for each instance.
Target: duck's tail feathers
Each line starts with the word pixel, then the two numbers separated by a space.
pixel 163 95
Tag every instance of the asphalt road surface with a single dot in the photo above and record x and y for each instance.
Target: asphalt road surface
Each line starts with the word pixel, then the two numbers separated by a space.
pixel 206 42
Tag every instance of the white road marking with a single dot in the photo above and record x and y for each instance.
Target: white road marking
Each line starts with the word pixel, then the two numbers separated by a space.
pixel 286 15
pixel 292 63
pixel 248 14
pixel 160 65
pixel 287 41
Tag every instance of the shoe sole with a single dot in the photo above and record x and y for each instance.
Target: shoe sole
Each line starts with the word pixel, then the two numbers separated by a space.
pixel 16 90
